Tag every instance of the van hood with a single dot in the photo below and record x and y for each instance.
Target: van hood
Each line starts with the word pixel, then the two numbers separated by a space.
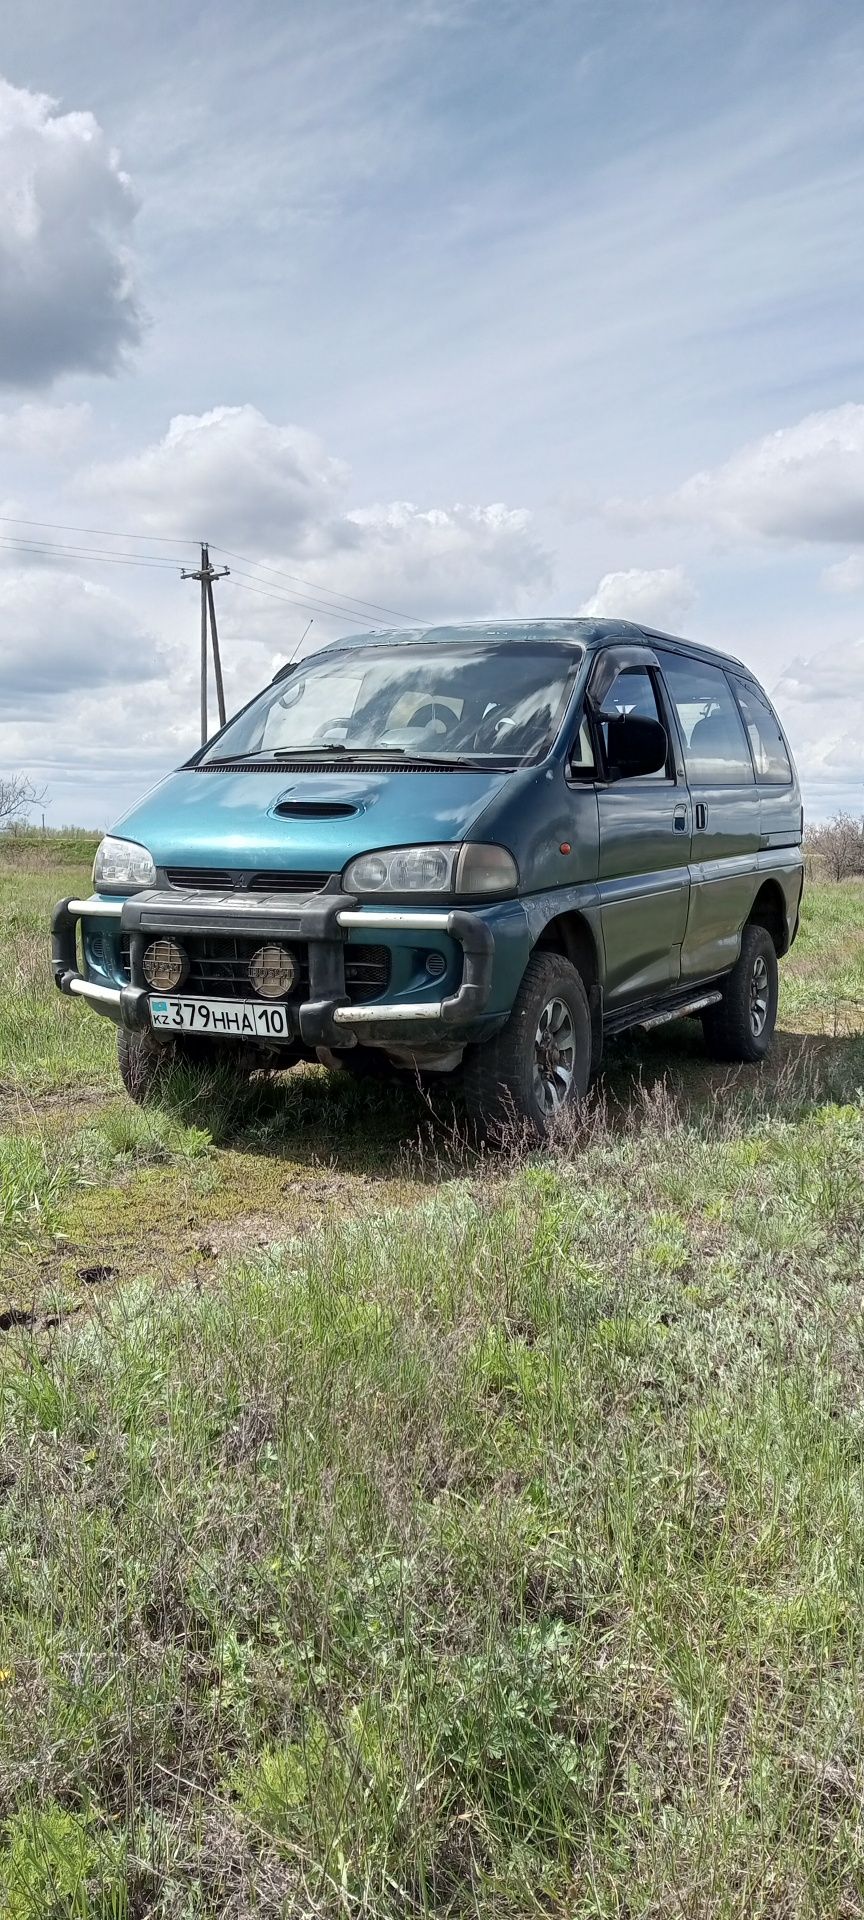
pixel 219 819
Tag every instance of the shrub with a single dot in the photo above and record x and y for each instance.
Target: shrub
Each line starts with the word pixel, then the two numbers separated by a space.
pixel 837 846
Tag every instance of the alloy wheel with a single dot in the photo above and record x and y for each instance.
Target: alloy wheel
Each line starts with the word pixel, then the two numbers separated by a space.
pixel 759 992
pixel 554 1056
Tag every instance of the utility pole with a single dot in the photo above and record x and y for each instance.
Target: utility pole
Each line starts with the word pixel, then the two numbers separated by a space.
pixel 206 575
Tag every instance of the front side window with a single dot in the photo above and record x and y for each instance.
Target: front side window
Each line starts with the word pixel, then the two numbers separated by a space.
pixel 769 748
pixel 471 700
pixel 634 693
pixel 716 753
pixel 582 755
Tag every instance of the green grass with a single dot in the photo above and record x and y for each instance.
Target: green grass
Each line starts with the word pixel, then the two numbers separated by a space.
pixel 37 1050
pixel 386 1531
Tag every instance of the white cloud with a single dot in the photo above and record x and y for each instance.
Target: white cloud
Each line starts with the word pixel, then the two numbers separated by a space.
pixel 437 562
pixel 67 302
pixel 836 673
pixel 845 576
pixel 654 595
pixel 804 482
pixel 42 431
pixel 228 475
pixel 274 493
pixel 821 700
pixel 60 634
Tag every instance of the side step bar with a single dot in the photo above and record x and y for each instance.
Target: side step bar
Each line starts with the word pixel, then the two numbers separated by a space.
pixel 647 1016
pixel 680 1012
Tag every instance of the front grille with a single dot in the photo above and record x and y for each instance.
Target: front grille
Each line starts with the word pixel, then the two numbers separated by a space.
pixel 230 879
pixel 203 879
pixel 219 967
pixel 288 882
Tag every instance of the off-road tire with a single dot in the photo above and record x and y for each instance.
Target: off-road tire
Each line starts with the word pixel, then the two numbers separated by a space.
pixel 730 1027
pixel 498 1078
pixel 144 1060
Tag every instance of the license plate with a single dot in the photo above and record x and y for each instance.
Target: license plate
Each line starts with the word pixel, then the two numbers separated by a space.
pixel 225 1017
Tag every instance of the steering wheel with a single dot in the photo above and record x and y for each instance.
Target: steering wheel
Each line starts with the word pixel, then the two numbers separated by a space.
pixel 433 713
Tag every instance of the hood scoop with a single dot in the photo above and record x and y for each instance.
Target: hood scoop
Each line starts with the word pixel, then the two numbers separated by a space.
pixel 314 809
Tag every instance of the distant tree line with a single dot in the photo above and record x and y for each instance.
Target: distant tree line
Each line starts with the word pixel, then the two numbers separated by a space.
pixel 835 848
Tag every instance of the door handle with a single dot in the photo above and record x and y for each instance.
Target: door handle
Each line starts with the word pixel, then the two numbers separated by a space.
pixel 679 819
pixel 701 814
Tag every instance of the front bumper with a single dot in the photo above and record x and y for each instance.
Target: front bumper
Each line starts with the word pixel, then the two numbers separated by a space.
pixel 326 1017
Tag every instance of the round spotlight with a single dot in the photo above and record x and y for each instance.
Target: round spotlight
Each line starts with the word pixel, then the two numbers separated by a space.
pixel 272 971
pixel 165 965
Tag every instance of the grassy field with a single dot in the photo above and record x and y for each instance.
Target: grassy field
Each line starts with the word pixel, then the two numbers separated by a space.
pixel 385 1531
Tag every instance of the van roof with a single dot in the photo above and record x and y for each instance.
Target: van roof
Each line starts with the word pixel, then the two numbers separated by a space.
pixel 579 630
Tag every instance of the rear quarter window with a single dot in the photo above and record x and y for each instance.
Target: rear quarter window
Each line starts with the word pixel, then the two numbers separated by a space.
pixel 768 746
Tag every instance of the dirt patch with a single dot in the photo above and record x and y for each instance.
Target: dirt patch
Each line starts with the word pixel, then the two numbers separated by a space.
pixel 249 1233
pixel 21 1108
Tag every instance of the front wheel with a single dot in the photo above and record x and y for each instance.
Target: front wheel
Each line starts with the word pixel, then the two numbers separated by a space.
pixel 144 1060
pixel 538 1065
pixel 741 1025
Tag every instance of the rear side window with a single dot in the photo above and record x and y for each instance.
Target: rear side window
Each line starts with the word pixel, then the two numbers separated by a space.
pixel 715 744
pixel 769 748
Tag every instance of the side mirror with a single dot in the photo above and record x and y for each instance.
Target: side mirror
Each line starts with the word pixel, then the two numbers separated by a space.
pixel 634 746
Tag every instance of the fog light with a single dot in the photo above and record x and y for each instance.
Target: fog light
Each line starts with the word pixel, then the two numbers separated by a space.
pixel 436 965
pixel 165 965
pixel 272 971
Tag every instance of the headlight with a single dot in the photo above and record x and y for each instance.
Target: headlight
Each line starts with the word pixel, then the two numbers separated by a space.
pixel 121 866
pixel 436 870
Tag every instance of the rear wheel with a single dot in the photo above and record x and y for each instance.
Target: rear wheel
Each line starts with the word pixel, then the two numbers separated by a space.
pixel 538 1065
pixel 741 1025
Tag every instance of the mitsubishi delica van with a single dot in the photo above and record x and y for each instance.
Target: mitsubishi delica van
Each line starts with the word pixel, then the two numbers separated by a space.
pixel 474 851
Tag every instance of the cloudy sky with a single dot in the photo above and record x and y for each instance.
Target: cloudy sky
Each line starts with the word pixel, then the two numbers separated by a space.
pixel 434 306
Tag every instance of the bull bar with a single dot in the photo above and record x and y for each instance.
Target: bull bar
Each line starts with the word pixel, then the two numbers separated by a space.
pixel 327 1017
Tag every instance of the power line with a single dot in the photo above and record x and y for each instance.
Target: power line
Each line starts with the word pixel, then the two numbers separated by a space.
pixel 57 550
pixel 293 600
pixel 332 605
pixel 299 600
pixel 47 549
pixel 349 600
pixel 105 533
pixel 352 599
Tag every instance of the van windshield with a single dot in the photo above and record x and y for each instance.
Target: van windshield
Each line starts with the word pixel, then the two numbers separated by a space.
pixel 467 701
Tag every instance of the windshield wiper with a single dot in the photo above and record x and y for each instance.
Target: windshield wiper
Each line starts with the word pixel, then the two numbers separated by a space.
pixel 310 753
pixel 476 762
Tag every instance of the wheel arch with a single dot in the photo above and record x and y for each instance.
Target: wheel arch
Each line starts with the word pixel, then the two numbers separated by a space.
pixel 769 911
pixel 571 935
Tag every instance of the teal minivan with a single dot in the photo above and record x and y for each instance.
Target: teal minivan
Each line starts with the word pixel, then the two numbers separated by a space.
pixel 475 850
